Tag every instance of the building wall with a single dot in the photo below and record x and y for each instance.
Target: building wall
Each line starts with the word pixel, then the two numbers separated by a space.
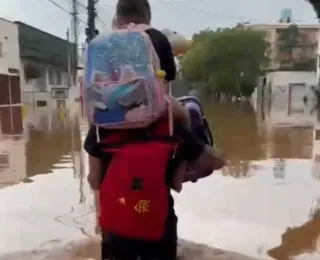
pixel 35 90
pixel 46 48
pixel 310 33
pixel 9 47
pixel 52 77
pixel 52 56
pixel 10 98
pixel 318 58
pixel 287 104
pixel 12 160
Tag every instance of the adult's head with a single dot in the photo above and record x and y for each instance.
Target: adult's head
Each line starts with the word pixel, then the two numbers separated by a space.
pixel 133 11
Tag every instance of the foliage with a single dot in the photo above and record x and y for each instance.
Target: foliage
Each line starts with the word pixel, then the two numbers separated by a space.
pixel 289 38
pixel 316 6
pixel 226 60
pixel 290 35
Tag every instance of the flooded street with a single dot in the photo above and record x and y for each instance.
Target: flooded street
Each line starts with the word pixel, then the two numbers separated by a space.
pixel 264 204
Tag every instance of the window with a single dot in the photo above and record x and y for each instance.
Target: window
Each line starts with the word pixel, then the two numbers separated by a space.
pixel 41 103
pixel 41 82
pixel 59 77
pixel 1 49
pixel 4 161
pixel 66 79
pixel 59 93
pixel 317 135
pixel 51 76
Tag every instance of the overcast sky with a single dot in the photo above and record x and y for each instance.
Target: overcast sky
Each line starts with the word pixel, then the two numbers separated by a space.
pixel 184 16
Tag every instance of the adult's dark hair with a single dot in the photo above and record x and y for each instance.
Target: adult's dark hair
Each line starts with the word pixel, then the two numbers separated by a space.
pixel 133 11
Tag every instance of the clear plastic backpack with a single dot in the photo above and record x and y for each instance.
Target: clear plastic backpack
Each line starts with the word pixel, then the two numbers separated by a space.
pixel 124 82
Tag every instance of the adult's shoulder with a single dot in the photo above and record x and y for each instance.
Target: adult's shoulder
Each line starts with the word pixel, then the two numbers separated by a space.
pixel 155 33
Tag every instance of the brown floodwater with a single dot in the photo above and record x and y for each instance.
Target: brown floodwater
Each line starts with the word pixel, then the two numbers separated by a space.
pixel 263 204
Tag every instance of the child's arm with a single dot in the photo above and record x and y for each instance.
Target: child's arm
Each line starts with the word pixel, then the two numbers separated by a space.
pixel 180 113
pixel 95 173
pixel 94 179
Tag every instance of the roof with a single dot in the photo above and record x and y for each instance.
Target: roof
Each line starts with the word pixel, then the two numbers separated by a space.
pixel 34 28
pixel 283 25
pixel 44 47
pixel 7 21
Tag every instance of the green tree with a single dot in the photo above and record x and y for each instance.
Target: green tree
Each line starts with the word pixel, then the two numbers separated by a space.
pixel 226 60
pixel 316 6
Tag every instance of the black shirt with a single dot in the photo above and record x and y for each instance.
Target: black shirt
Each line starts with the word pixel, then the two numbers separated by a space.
pixel 163 48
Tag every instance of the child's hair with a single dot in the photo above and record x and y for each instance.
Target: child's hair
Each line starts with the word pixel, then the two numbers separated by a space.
pixel 133 11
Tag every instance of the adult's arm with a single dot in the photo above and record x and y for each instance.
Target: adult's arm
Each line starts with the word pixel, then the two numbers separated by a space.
pixel 204 157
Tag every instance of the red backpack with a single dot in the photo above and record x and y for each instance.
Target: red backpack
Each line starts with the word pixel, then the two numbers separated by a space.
pixel 134 195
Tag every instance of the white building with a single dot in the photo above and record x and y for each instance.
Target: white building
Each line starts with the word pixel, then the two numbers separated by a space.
pixel 316 150
pixel 10 98
pixel 54 61
pixel 307 49
pixel 9 48
pixel 12 160
pixel 289 98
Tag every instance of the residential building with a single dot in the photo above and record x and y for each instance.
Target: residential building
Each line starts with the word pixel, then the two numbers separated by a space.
pixel 45 61
pixel 287 98
pixel 290 43
pixel 318 59
pixel 316 148
pixel 10 98
pixel 13 161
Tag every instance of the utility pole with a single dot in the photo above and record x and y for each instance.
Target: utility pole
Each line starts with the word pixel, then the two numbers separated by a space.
pixel 75 26
pixel 91 30
pixel 69 58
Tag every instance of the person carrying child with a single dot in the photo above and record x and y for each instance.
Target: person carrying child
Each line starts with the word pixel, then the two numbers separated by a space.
pixel 139 140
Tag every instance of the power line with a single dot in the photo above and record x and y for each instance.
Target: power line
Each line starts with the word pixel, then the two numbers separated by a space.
pixel 85 7
pixel 232 17
pixel 65 10
pixel 81 4
pixel 184 4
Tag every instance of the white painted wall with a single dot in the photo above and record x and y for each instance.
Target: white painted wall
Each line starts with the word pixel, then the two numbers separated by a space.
pixel 316 150
pixel 318 58
pixel 279 82
pixel 9 55
pixel 15 150
pixel 287 77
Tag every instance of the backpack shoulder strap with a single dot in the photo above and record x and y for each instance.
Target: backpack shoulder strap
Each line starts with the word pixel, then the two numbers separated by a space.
pixel 153 54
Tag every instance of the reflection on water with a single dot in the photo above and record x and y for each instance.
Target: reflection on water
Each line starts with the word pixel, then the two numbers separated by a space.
pixel 44 149
pixel 299 240
pixel 265 203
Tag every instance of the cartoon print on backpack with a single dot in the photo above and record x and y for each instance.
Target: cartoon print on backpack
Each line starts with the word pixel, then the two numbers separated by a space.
pixel 117 103
pixel 124 90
